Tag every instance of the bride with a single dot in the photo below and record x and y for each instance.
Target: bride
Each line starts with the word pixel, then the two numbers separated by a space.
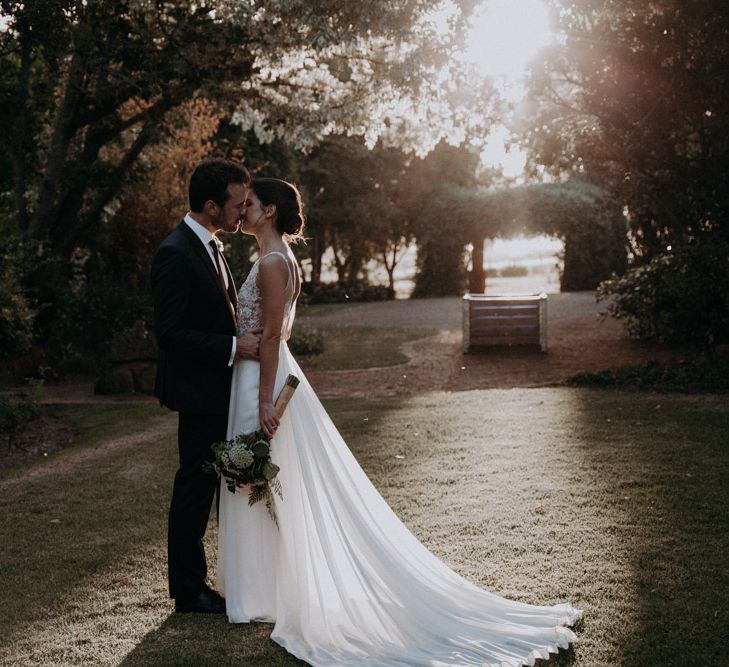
pixel 343 579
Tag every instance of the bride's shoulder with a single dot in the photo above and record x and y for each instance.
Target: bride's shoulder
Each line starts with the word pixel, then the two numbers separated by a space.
pixel 275 257
pixel 273 264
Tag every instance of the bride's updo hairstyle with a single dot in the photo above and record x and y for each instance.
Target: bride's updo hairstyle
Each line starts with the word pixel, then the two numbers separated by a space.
pixel 286 198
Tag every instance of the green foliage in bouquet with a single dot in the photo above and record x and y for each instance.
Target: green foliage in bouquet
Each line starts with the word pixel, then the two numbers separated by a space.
pixel 246 460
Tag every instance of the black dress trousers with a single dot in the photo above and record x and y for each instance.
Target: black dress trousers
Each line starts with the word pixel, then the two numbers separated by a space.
pixel 192 498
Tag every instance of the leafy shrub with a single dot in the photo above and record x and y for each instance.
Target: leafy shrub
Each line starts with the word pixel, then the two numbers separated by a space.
pixel 344 292
pixel 305 340
pixel 680 296
pixel 104 307
pixel 593 252
pixel 33 364
pixel 689 376
pixel 16 412
pixel 82 304
pixel 16 314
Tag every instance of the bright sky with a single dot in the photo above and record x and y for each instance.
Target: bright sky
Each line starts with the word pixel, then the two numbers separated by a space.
pixel 505 36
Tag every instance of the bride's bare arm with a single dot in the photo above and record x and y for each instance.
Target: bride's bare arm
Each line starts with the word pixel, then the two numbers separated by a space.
pixel 272 278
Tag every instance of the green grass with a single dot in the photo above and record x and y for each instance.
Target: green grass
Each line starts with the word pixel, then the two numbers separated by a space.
pixel 616 502
pixel 350 348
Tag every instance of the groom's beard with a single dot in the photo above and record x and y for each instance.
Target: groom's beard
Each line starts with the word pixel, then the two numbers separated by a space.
pixel 229 226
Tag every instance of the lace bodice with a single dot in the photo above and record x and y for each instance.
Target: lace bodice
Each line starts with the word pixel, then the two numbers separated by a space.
pixel 249 313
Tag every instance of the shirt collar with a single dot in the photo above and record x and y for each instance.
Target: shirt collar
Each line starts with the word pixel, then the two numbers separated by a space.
pixel 201 232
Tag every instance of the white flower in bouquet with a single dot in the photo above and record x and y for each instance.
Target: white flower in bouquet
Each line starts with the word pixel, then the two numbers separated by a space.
pixel 240 456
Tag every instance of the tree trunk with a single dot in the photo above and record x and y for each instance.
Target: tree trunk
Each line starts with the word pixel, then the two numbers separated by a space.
pixel 390 266
pixel 477 277
pixel 72 226
pixel 355 262
pixel 317 251
pixel 20 136
pixel 391 278
pixel 340 265
pixel 63 131
pixel 75 212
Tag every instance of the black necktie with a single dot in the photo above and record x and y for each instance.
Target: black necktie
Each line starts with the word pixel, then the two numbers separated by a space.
pixel 232 297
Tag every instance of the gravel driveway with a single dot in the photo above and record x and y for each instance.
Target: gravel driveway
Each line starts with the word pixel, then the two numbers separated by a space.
pixel 577 339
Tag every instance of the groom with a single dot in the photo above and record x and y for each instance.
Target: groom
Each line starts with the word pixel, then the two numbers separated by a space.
pixel 195 325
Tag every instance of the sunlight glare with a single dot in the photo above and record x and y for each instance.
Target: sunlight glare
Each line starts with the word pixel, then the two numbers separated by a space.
pixel 505 35
pixel 495 153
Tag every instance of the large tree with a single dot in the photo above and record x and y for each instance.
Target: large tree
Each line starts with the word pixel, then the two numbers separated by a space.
pixel 359 205
pixel 87 86
pixel 633 98
pixel 95 96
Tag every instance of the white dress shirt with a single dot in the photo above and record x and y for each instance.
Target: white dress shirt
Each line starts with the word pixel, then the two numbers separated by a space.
pixel 205 237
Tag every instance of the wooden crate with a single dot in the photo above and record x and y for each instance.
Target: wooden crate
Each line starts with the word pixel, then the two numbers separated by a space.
pixel 517 319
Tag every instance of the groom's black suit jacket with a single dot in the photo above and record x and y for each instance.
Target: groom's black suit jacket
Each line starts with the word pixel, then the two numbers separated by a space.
pixel 194 327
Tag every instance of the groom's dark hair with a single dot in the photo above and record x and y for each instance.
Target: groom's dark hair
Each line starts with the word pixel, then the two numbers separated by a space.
pixel 211 179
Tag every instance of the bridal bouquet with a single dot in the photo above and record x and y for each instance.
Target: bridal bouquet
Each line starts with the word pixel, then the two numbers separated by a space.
pixel 246 459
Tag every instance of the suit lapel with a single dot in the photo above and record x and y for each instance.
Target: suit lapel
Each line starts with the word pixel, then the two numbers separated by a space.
pixel 204 256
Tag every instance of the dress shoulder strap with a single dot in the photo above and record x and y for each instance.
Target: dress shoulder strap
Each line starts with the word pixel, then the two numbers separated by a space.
pixel 282 256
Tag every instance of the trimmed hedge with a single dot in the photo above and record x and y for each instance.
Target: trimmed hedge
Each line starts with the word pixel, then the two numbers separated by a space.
pixel 344 292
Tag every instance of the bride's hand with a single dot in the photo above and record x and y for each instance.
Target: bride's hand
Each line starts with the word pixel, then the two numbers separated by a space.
pixel 267 416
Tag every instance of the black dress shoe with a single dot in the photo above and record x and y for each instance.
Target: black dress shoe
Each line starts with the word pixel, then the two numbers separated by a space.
pixel 205 602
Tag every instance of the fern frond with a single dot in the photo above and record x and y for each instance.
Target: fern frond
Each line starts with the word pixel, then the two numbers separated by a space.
pixel 258 493
pixel 271 507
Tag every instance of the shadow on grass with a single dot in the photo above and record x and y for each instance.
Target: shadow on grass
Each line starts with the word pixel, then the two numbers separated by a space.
pixel 666 461
pixel 70 516
pixel 80 525
pixel 208 641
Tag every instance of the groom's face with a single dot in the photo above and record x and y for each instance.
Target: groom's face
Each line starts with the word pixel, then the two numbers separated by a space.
pixel 228 218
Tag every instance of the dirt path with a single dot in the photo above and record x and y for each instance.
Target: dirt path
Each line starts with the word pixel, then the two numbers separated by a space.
pixel 578 341
pixel 151 432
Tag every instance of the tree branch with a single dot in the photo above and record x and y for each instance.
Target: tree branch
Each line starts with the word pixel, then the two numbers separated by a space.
pixel 88 216
pixel 63 131
pixel 75 218
pixel 19 135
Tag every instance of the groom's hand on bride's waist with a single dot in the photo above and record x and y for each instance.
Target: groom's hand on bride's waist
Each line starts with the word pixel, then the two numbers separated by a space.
pixel 246 345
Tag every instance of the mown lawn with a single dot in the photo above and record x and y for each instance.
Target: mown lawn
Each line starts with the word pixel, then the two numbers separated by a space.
pixel 351 348
pixel 616 502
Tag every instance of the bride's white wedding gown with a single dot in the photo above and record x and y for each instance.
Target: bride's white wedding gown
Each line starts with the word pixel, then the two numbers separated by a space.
pixel 343 579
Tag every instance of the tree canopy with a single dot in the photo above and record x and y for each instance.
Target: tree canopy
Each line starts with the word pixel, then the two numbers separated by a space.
pixel 632 98
pixel 88 86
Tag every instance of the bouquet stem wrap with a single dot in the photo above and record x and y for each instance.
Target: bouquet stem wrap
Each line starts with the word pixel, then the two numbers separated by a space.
pixel 286 394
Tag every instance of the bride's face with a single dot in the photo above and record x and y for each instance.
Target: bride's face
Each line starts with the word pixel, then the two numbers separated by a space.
pixel 254 214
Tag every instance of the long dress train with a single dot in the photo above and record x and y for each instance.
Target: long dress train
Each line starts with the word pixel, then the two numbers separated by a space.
pixel 343 579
